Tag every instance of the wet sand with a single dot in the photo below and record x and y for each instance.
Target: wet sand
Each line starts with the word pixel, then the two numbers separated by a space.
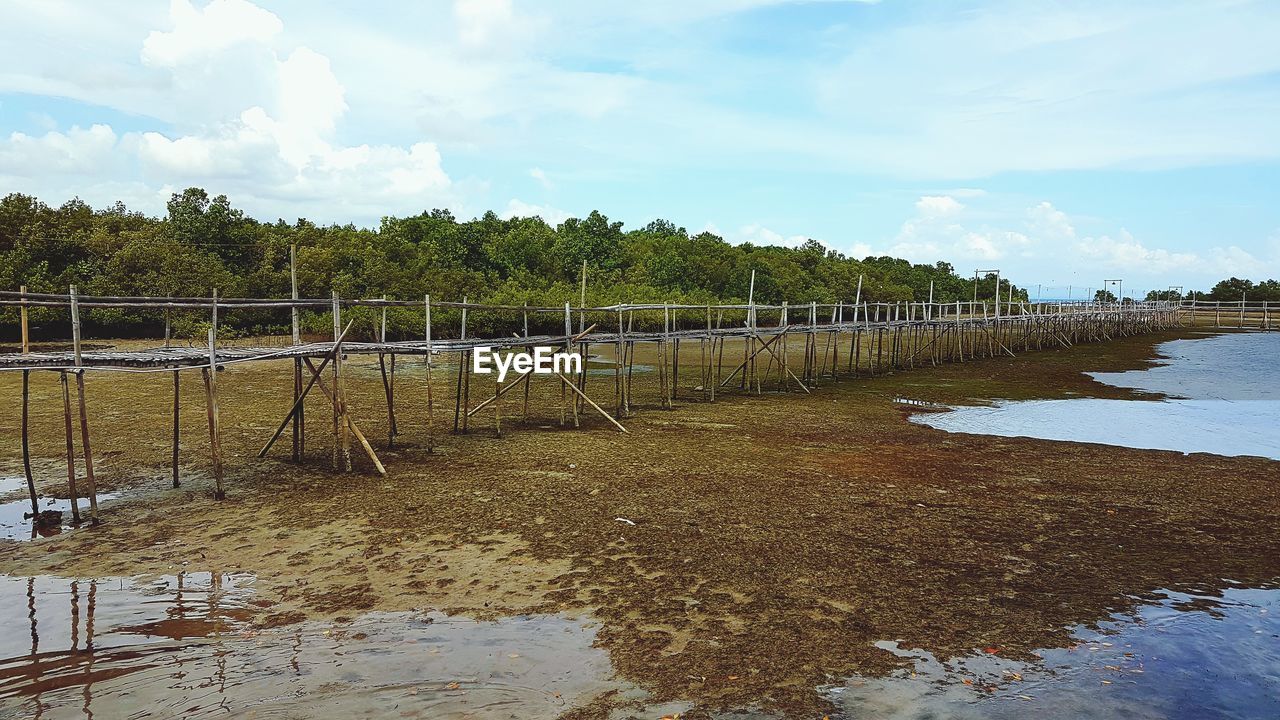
pixel 772 541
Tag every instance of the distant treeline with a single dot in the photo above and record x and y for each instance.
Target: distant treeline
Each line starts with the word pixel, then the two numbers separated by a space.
pixel 1232 289
pixel 203 243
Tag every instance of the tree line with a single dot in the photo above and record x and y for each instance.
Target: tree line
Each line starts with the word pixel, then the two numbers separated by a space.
pixel 203 243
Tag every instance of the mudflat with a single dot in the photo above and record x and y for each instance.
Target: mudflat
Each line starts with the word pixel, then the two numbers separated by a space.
pixel 736 554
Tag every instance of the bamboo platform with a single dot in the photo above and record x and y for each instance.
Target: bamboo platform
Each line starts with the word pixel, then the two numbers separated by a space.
pixel 838 340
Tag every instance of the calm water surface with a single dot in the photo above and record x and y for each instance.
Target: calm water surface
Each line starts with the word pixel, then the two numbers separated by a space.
pixel 1185 657
pixel 181 646
pixel 1223 398
pixel 15 505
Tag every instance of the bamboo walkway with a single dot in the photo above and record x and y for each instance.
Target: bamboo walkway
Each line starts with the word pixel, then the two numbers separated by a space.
pixel 835 340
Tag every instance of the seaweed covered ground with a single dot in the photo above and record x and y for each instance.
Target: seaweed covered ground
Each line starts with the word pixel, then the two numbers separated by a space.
pixel 738 554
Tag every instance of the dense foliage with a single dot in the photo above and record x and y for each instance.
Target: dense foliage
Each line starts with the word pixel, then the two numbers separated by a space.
pixel 203 243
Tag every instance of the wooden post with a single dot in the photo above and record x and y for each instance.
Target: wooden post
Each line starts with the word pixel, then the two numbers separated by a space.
pixel 211 410
pixel 71 450
pixel 524 410
pixel 26 335
pixel 675 360
pixel 426 302
pixel 497 407
pixel 464 374
pixel 749 354
pixel 26 449
pixel 568 346
pixel 90 485
pixel 388 380
pixel 582 301
pixel 299 414
pixel 569 384
pixel 336 458
pixel 26 394
pixel 784 321
pixel 315 377
pixel 619 352
pixel 341 435
pixel 706 365
pixel 176 431
pixel 318 378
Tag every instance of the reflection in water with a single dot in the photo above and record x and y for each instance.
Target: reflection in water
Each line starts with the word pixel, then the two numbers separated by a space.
pixel 182 646
pixel 15 525
pixel 1224 399
pixel 69 659
pixel 1183 657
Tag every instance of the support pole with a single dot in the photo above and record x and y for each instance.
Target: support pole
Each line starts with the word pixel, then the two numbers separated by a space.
pixel 317 374
pixel 211 409
pixel 90 485
pixel 26 449
pixel 299 415
pixel 26 334
pixel 71 450
pixel 176 430
pixel 430 404
pixel 26 394
pixel 297 403
pixel 341 436
pixel 388 380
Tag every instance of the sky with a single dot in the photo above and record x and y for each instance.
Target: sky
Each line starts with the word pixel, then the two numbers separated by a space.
pixel 1064 143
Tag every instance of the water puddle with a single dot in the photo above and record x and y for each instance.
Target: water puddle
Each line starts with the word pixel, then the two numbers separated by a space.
pixel 182 646
pixel 1223 399
pixel 1186 656
pixel 14 523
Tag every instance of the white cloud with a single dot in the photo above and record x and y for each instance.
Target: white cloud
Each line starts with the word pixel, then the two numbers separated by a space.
pixel 760 235
pixel 1043 244
pixel 519 208
pixel 1236 261
pixel 485 23
pixel 939 232
pixel 933 206
pixel 1046 221
pixel 541 177
pixel 1126 253
pixel 199 34
pixel 268 142
pixel 77 150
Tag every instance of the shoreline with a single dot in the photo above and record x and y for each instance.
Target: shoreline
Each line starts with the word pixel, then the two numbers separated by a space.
pixel 768 546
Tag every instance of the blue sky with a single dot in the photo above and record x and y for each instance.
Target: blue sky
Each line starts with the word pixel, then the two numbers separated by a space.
pixel 1065 143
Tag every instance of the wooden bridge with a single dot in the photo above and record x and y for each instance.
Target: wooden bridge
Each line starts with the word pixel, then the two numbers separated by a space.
pixel 744 348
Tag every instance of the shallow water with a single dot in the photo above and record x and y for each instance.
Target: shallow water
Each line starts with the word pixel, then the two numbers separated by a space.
pixel 1167 661
pixel 14 525
pixel 1223 398
pixel 181 646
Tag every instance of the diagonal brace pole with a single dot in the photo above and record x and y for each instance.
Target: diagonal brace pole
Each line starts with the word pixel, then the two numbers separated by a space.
pixel 303 396
pixel 346 416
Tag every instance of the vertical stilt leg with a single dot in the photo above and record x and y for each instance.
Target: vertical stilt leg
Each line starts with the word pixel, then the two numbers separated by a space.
pixel 299 433
pixel 71 450
pixel 176 429
pixel 26 448
pixel 90 485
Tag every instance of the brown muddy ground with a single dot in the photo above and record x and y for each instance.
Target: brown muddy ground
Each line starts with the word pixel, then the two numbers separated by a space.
pixel 775 538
